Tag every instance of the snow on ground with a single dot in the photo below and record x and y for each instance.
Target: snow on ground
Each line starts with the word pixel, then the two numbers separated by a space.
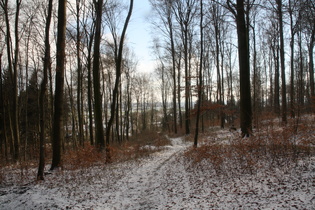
pixel 165 180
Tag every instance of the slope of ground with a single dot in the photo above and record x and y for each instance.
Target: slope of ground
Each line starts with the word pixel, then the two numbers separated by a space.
pixel 168 179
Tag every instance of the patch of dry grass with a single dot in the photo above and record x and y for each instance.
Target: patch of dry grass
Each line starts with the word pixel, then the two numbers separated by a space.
pixel 137 147
pixel 280 147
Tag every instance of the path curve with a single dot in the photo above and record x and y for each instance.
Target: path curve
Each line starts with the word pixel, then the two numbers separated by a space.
pixel 145 187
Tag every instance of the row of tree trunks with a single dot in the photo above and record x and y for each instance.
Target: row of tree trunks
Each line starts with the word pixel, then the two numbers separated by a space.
pixel 182 46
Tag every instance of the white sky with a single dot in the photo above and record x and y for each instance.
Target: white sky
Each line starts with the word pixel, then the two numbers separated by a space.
pixel 138 35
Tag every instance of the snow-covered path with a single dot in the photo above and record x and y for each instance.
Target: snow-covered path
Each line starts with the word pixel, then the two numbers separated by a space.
pixel 165 180
pixel 147 186
pixel 151 183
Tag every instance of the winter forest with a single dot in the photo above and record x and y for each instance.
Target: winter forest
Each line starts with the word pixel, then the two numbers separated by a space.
pixel 226 119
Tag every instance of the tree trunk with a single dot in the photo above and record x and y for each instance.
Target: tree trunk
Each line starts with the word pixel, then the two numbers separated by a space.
pixel 179 91
pixel 276 95
pixel 15 121
pixel 89 66
pixel 283 83
pixel 243 54
pixel 187 84
pixel 200 75
pixel 98 115
pixel 173 72
pixel 292 106
pixel 42 96
pixel 79 77
pixel 118 61
pixel 311 63
pixel 217 63
pixel 12 68
pixel 3 127
pixel 301 72
pixel 59 90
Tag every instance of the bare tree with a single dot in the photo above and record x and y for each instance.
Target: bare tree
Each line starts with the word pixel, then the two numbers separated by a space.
pixel 59 90
pixel 291 8
pixel 307 12
pixel 165 14
pixel 13 71
pixel 98 116
pixel 243 54
pixel 118 61
pixel 43 92
pixel 79 74
pixel 184 12
pixel 199 86
pixel 282 59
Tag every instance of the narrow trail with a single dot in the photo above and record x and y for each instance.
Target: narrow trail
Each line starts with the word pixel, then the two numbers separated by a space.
pixel 165 180
pixel 146 186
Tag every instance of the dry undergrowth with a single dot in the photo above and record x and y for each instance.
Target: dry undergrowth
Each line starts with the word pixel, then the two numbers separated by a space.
pixel 137 147
pixel 82 158
pixel 279 147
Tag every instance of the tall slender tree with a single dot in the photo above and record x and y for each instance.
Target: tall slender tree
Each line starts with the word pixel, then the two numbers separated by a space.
pixel 79 74
pixel 184 12
pixel 282 60
pixel 199 75
pixel 118 62
pixel 13 72
pixel 98 115
pixel 42 97
pixel 58 133
pixel 243 55
pixel 16 130
pixel 292 33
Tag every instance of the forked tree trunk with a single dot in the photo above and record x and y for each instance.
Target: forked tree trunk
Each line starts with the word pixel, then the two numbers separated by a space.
pixel 118 61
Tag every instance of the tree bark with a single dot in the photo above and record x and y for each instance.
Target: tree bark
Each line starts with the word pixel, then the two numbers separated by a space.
pixel 15 121
pixel 12 68
pixel 174 73
pixel 89 66
pixel 243 54
pixel 42 96
pixel 282 60
pixel 3 133
pixel 292 106
pixel 311 63
pixel 118 61
pixel 79 77
pixel 199 76
pixel 98 115
pixel 58 133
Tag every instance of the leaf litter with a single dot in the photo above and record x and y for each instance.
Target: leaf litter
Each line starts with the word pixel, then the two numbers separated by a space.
pixel 167 179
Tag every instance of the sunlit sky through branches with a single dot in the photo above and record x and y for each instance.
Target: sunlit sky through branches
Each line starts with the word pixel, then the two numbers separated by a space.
pixel 139 36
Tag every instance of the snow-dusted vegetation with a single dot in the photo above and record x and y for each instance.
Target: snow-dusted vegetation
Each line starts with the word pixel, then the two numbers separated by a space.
pixel 274 169
pixel 157 104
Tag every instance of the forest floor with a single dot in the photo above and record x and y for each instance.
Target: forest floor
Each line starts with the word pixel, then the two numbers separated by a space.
pixel 177 177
